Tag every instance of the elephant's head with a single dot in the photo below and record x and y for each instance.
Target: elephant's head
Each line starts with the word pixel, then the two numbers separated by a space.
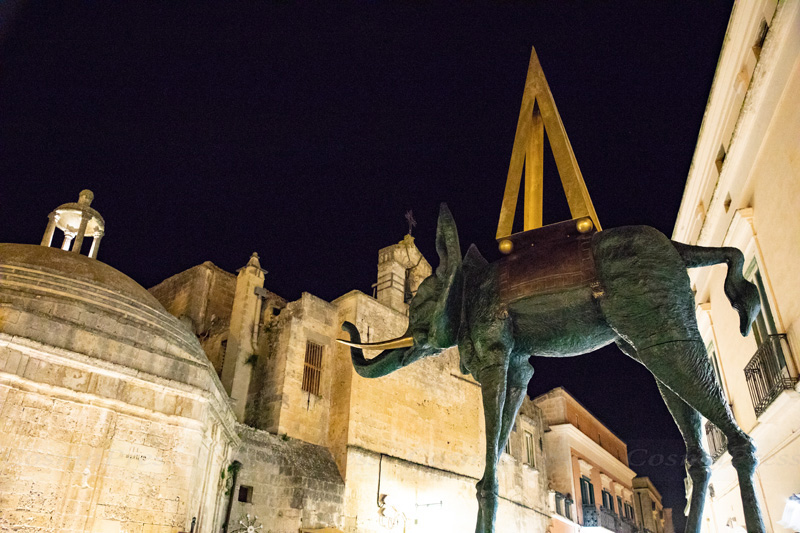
pixel 434 312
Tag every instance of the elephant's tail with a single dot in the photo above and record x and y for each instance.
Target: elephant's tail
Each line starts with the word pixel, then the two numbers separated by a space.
pixel 742 294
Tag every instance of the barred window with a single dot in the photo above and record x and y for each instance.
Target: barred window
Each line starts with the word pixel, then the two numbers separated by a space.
pixel 312 368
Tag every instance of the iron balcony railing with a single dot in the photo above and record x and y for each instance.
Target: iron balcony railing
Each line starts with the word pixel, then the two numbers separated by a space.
pixel 623 526
pixel 605 518
pixel 717 442
pixel 591 517
pixel 608 519
pixel 766 373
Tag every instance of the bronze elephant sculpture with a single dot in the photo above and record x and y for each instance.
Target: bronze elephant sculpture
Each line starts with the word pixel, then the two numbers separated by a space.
pixel 566 296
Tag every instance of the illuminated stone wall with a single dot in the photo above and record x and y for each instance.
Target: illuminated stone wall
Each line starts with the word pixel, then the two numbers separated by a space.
pixel 112 418
pixel 204 295
pixel 291 484
pixel 648 505
pixel 69 466
pixel 278 402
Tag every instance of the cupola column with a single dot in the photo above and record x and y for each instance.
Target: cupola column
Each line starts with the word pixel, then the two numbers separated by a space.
pixel 81 233
pixel 95 246
pixel 67 240
pixel 47 240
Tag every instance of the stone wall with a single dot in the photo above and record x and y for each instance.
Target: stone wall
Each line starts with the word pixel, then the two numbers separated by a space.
pixel 428 413
pixel 401 268
pixel 647 503
pixel 559 463
pixel 388 493
pixel 294 484
pixel 304 415
pixel 278 402
pixel 521 480
pixel 202 294
pixel 81 461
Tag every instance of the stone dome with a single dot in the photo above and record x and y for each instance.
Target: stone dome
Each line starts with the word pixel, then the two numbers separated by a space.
pixel 73 302
pixel 76 267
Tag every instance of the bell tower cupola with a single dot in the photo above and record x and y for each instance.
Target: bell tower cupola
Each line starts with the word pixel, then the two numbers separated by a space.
pixel 76 220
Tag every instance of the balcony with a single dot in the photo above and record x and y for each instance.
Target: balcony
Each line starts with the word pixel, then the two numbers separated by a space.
pixel 591 517
pixel 717 442
pixel 625 526
pixel 766 373
pixel 608 519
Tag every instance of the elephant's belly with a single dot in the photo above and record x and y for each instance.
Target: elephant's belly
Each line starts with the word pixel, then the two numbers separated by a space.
pixel 559 325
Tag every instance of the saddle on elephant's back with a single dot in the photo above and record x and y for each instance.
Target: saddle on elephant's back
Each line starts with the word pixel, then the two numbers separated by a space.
pixel 548 259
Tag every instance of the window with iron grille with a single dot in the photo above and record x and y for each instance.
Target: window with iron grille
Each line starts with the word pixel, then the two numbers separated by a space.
pixel 764 324
pixel 312 368
pixel 767 373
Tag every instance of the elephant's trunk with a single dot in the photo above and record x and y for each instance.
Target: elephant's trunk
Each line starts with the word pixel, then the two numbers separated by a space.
pixel 384 363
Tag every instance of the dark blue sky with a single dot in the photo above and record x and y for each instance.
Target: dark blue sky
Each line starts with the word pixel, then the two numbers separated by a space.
pixel 304 131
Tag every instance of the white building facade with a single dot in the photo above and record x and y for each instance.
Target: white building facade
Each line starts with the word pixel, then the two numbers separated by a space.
pixel 743 190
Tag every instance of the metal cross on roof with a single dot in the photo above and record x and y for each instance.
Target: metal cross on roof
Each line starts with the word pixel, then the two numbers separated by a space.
pixel 411 222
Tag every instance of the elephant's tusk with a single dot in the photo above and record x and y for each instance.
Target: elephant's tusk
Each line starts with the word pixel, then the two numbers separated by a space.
pixel 400 342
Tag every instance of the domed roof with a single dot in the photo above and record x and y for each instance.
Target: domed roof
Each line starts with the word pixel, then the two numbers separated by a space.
pixel 76 267
pixel 70 301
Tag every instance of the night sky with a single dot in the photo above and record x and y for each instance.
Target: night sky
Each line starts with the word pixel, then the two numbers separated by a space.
pixel 304 131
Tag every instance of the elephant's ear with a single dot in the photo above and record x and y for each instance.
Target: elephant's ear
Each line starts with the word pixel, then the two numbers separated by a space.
pixel 446 317
pixel 447 244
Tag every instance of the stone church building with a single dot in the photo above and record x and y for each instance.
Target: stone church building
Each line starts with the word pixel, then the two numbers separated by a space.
pixel 210 404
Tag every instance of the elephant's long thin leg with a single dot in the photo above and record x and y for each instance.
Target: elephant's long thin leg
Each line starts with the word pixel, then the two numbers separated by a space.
pixel 684 368
pixel 688 421
pixel 493 381
pixel 516 388
pixel 697 460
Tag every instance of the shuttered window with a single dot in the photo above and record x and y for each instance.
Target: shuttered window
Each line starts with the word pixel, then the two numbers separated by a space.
pixel 530 452
pixel 312 368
